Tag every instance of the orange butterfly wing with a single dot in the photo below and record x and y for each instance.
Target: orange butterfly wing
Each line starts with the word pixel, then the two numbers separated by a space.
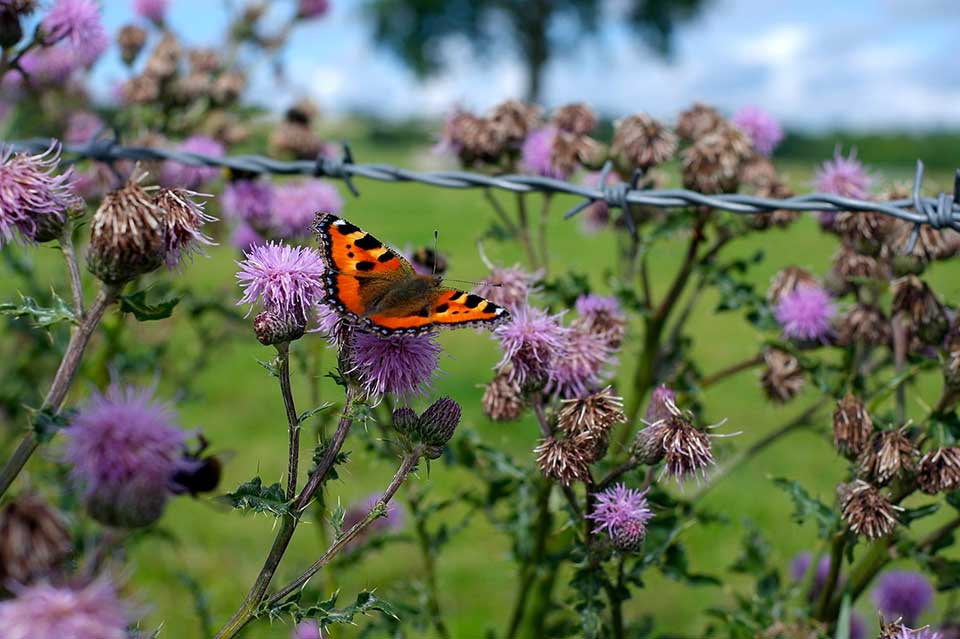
pixel 451 308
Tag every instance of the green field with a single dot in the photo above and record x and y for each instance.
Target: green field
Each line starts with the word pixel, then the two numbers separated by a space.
pixel 239 408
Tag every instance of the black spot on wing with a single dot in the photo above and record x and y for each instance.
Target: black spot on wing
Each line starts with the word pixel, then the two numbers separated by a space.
pixel 365 266
pixel 442 308
pixel 424 312
pixel 346 228
pixel 367 242
pixel 473 301
pixel 386 256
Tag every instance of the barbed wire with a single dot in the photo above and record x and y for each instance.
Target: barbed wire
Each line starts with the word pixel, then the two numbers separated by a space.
pixel 942 211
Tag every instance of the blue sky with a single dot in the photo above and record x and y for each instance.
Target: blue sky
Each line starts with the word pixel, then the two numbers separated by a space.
pixel 815 64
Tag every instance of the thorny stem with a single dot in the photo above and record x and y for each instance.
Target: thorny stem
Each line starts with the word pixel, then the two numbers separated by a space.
pixel 70 255
pixel 429 567
pixel 524 222
pixel 79 338
pixel 499 210
pixel 406 467
pixel 733 369
pixel 293 420
pixel 616 602
pixel 542 231
pixel 288 525
pixel 836 559
pixel 616 473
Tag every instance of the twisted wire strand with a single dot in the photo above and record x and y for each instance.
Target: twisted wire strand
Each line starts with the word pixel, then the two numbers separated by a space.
pixel 942 211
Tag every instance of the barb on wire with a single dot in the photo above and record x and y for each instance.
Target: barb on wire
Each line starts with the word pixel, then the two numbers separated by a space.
pixel 940 212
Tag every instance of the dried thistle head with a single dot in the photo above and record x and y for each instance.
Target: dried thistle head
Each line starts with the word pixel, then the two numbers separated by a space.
pixel 577 118
pixel 562 460
pixel 712 164
pixel 589 420
pixel 685 450
pixel 852 426
pixel 34 539
pixel 697 121
pixel 866 232
pixel 512 120
pixel 849 266
pixel 643 142
pixel 864 324
pixel 888 454
pixel 570 151
pixel 503 398
pixel 932 244
pixel 919 304
pixel 867 510
pixel 476 139
pixel 783 377
pixel 758 171
pixel 294 139
pixel 130 41
pixel 779 218
pixel 951 360
pixel 939 470
pixel 786 281
pixel 164 59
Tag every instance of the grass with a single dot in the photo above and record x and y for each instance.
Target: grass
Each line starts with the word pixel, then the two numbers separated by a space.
pixel 238 406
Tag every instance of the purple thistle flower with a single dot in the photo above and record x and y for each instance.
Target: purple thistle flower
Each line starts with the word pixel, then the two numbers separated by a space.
pixel 596 217
pixel 843 176
pixel 903 593
pixel 154 10
pixel 393 520
pixel 248 200
pixel 901 631
pixel 174 174
pixel 576 369
pixel 308 629
pixel 537 153
pixel 313 8
pixel 858 626
pixel 82 126
pixel 801 564
pixel 46 66
pixel 396 364
pixel 603 315
pixel 29 192
pixel 295 205
pixel 75 26
pixel 762 128
pixel 658 409
pixel 623 514
pixel 45 611
pixel 530 340
pixel 284 279
pixel 805 313
pixel 122 449
pixel 245 237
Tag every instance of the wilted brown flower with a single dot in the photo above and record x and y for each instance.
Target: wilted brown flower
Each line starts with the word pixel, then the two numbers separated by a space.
pixel 228 86
pixel 570 151
pixel 783 378
pixel 130 40
pixel 512 120
pixel 502 399
pixel 140 89
pixel 164 59
pixel 887 455
pixel 712 163
pixel 643 142
pixel 562 460
pixel 850 265
pixel 588 421
pixel 303 111
pixel 920 306
pixel 475 139
pixel 192 87
pixel 787 280
pixel 864 324
pixel 577 118
pixel 866 232
pixel 951 363
pixel 852 426
pixel 866 510
pixel 697 121
pixel 932 244
pixel 758 171
pixel 939 470
pixel 779 218
pixel 294 139
pixel 204 60
pixel 34 539
pixel 686 451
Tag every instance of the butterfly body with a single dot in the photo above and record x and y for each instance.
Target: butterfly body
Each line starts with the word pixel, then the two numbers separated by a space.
pixel 375 285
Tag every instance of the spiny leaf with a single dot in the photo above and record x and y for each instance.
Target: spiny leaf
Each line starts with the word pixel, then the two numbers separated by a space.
pixel 146 311
pixel 307 414
pixel 806 506
pixel 253 495
pixel 47 423
pixel 40 316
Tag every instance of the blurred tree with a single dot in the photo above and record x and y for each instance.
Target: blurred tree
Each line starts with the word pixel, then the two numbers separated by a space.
pixel 416 29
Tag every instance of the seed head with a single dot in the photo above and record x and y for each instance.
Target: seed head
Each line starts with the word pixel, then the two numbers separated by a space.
pixel 866 232
pixel 34 539
pixel 866 510
pixel 697 121
pixel 502 398
pixel 513 120
pixel 939 470
pixel 588 421
pixel 712 163
pixel 852 426
pixel 562 460
pixel 919 304
pixel 643 142
pixel 577 118
pixel 887 455
pixel 783 377
pixel 864 324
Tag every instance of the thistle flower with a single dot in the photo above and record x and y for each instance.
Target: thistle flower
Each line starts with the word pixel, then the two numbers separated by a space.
pixel 788 280
pixel 502 398
pixel 643 142
pixel 852 426
pixel 130 40
pixel 623 514
pixel 271 328
pixel 338 330
pixel 248 200
pixel 899 631
pixel 588 421
pixel 286 280
pixel 45 611
pixel 507 287
pixel 512 121
pixel 577 118
pixel 183 219
pixel 864 324
pixel 82 126
pixel 562 460
pixel 939 470
pixel 603 316
pixel 396 364
pixel 783 377
pixel 472 138
pixel 579 365
pixel 844 176
pixel 34 539
pixel 903 595
pixel 805 313
pixel 308 629
pixel 537 154
pixel 762 128
pixel 175 174
pixel 77 24
pixel 530 340
pixel 888 454
pixel 295 205
pixel 126 234
pixel 311 9
pixel 34 201
pixel 919 304
pixel 697 121
pixel 712 163
pixel 122 449
pixel 866 510
pixel 658 407
pixel 154 10
pixel 800 566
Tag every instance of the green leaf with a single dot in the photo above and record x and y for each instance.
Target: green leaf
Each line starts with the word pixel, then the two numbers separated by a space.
pixel 47 423
pixel 256 497
pixel 307 414
pixel 336 520
pixel 146 311
pixel 756 553
pixel 326 613
pixel 806 506
pixel 910 515
pixel 843 621
pixel 40 316
pixel 271 367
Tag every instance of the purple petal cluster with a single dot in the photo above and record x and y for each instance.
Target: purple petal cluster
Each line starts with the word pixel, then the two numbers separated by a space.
pixel 530 341
pixel 805 313
pixel 396 364
pixel 537 153
pixel 174 174
pixel 122 449
pixel 903 594
pixel 154 10
pixel 250 201
pixel 296 203
pixel 46 66
pixel 45 611
pixel 577 367
pixel 184 220
pixel 623 514
pixel 801 564
pixel 286 280
pixel 29 191
pixel 844 176
pixel 82 126
pixel 313 8
pixel 76 26
pixel 903 632
pixel 307 629
pixel 762 128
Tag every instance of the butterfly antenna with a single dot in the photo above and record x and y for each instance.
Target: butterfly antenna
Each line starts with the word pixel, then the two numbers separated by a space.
pixel 436 251
pixel 472 282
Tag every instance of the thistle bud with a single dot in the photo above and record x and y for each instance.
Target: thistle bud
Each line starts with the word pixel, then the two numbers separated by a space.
pixel 273 328
pixel 438 422
pixel 647 447
pixel 130 40
pixel 939 470
pixel 852 426
pixel 866 510
pixel 34 539
pixel 405 420
pixel 126 235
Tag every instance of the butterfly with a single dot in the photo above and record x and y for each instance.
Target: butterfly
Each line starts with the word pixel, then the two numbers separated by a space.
pixel 376 286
